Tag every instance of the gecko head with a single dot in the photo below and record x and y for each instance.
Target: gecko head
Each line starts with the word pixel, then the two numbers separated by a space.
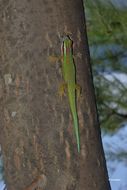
pixel 67 42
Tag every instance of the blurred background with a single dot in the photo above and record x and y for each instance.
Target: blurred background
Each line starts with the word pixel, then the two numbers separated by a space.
pixel 107 35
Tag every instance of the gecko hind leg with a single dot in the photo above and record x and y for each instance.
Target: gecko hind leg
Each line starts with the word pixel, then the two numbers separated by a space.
pixel 62 89
pixel 78 90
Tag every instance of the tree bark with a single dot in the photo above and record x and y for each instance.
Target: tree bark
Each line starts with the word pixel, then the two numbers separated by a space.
pixel 37 138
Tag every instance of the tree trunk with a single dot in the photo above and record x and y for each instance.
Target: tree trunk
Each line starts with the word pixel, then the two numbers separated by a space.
pixel 37 137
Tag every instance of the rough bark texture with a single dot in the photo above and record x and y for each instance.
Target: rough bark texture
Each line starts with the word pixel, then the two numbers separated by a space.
pixel 37 137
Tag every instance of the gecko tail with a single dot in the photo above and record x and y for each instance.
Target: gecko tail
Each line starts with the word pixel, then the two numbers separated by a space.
pixel 72 101
pixel 76 127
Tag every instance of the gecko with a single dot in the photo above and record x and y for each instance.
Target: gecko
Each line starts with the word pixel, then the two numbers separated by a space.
pixel 69 76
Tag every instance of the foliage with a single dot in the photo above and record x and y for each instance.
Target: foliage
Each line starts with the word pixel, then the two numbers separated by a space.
pixel 107 36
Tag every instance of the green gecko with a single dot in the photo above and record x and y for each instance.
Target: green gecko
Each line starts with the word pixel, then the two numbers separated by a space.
pixel 69 76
